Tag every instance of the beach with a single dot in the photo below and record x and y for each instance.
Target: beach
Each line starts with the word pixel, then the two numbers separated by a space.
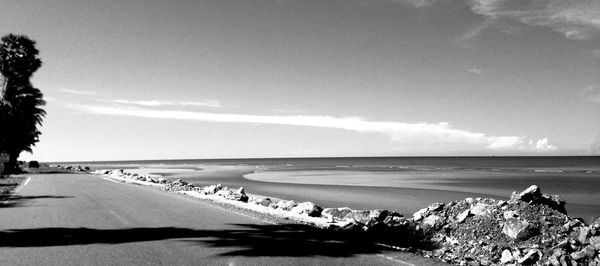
pixel 374 186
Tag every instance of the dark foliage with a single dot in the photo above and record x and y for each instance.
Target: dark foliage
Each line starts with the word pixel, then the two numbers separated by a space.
pixel 21 104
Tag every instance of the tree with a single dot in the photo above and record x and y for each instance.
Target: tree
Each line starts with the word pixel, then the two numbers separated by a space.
pixel 20 103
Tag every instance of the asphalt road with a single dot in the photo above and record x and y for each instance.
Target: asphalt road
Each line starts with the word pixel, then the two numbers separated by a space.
pixel 78 219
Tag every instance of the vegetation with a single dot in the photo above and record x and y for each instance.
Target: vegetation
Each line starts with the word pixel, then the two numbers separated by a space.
pixel 21 104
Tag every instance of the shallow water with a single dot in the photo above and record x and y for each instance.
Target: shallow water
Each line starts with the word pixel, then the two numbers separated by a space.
pixel 401 184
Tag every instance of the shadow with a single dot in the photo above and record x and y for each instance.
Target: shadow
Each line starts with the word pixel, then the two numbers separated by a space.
pixel 16 200
pixel 291 240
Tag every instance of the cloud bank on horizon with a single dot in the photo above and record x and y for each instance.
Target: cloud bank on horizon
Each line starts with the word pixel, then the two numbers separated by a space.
pixel 398 131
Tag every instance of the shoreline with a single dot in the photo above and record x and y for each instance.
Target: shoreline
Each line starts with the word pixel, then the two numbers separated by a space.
pixel 445 231
pixel 327 190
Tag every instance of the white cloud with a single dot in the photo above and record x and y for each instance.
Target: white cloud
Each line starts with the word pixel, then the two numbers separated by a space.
pixel 576 19
pixel 211 103
pixel 477 71
pixel 398 131
pixel 541 145
pixel 78 92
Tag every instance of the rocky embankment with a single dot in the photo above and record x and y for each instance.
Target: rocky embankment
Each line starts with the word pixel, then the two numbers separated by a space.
pixel 529 229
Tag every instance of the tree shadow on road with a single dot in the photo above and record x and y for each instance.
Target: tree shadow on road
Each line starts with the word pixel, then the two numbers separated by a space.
pixel 291 240
pixel 17 201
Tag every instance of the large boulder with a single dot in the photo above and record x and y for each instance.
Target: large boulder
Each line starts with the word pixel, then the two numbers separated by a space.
pixel 263 202
pixel 533 195
pixel 519 229
pixel 225 193
pixel 368 218
pixel 432 223
pixel 335 214
pixel 238 195
pixel 308 208
pixel 212 189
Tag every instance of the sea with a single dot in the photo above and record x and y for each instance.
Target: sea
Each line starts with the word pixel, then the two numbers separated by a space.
pixel 404 184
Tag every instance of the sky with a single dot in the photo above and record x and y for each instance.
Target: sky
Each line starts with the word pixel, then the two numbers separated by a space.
pixel 133 80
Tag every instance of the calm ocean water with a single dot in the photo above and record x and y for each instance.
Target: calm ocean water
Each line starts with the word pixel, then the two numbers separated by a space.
pixel 566 163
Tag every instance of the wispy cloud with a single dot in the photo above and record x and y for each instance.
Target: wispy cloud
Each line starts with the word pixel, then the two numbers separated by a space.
pixel 591 93
pixel 210 103
pixel 577 19
pixel 78 92
pixel 477 71
pixel 397 131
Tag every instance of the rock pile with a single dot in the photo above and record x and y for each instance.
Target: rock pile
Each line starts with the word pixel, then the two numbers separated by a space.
pixel 529 229
pixel 75 168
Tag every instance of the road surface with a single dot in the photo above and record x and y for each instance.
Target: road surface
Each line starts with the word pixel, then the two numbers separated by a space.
pixel 80 219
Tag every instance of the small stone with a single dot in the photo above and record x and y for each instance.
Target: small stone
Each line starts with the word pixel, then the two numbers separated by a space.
pixel 531 257
pixel 462 216
pixel 510 214
pixel 506 256
pixel 587 252
pixel 583 234
pixel 595 242
pixel 481 209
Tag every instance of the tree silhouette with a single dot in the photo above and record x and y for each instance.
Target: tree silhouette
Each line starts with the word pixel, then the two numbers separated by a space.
pixel 20 102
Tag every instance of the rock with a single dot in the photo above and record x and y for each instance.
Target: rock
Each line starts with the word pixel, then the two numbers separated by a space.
pixel 238 195
pixel 179 182
pixel 212 189
pixel 335 214
pixel 518 229
pixel 395 221
pixel 225 193
pixel 308 208
pixel 162 180
pixel 264 202
pixel 595 242
pixel 368 218
pixel 241 191
pixel 554 202
pixel 420 214
pixel 565 260
pixel 506 256
pixel 530 257
pixel 531 194
pixel 432 223
pixel 587 252
pixel 481 209
pixel 286 205
pixel 510 214
pixel 462 216
pixel 583 234
pixel 435 206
